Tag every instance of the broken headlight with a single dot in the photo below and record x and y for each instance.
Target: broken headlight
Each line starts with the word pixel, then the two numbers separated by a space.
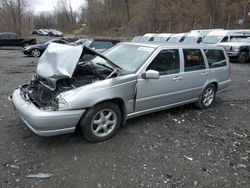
pixel 61 102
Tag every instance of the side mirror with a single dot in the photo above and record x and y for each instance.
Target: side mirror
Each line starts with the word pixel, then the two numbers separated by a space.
pixel 151 74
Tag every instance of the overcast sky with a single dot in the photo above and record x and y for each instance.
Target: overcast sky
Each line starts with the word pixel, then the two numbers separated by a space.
pixel 48 5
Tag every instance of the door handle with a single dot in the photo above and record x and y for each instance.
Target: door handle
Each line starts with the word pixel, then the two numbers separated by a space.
pixel 204 74
pixel 177 78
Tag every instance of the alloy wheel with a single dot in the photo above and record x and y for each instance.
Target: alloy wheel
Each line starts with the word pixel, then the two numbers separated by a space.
pixel 208 96
pixel 104 122
pixel 36 53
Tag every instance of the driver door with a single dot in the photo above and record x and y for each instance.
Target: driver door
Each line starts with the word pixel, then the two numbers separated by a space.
pixel 156 93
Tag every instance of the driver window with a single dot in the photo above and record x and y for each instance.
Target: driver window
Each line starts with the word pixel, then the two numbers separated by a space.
pixel 166 62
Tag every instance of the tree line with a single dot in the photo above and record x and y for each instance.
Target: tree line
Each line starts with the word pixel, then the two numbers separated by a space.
pixel 127 17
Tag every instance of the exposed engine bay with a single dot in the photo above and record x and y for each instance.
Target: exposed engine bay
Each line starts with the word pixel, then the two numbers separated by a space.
pixel 42 93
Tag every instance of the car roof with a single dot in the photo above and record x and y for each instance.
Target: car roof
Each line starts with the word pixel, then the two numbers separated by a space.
pixel 174 45
pixel 230 32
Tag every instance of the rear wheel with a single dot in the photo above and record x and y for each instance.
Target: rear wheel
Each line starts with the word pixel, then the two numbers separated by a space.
pixel 36 53
pixel 207 97
pixel 243 57
pixel 101 122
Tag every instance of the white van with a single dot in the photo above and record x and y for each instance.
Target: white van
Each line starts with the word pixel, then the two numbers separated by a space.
pixel 216 37
pixel 148 37
pixel 196 36
pixel 162 37
pixel 175 38
pixel 155 37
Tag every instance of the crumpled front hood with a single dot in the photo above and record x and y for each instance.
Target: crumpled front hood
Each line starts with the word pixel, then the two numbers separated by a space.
pixel 58 61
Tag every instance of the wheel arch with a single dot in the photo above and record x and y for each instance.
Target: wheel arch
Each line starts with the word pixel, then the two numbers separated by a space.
pixel 121 104
pixel 244 49
pixel 215 84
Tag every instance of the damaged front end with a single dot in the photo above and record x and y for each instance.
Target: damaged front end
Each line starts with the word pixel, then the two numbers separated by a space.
pixel 62 68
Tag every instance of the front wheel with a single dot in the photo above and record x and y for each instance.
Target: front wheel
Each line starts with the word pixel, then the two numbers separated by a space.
pixel 101 122
pixel 243 57
pixel 36 53
pixel 207 97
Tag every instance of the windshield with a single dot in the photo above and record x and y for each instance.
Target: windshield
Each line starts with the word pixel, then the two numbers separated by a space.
pixel 161 39
pixel 173 39
pixel 80 41
pixel 211 39
pixel 146 39
pixel 128 57
pixel 190 40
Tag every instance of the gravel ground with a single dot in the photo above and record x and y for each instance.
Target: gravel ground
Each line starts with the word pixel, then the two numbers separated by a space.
pixel 181 147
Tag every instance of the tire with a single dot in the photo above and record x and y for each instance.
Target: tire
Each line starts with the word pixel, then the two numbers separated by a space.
pixel 243 57
pixel 36 52
pixel 101 122
pixel 207 97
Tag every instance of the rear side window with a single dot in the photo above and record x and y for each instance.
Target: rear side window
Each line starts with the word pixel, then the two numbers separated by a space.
pixel 166 62
pixel 215 58
pixel 101 44
pixel 193 60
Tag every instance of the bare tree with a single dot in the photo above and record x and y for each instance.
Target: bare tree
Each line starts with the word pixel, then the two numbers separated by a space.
pixel 14 16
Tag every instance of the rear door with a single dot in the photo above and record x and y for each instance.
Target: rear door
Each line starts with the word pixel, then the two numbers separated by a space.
pixel 195 73
pixel 218 67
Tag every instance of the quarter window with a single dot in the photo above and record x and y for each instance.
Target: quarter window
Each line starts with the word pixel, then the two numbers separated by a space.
pixel 193 60
pixel 215 58
pixel 166 62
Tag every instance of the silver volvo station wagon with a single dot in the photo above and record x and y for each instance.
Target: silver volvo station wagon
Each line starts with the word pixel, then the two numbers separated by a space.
pixel 77 86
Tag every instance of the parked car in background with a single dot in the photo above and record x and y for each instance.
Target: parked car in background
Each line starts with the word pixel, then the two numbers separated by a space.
pixel 126 81
pixel 11 39
pixel 81 41
pixel 55 33
pixel 197 36
pixel 216 37
pixel 40 32
pixel 38 49
pixel 176 38
pixel 148 37
pixel 70 38
pixel 136 38
pixel 238 49
pixel 162 37
pixel 99 45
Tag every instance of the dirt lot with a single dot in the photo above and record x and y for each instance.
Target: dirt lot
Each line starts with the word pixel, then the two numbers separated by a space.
pixel 181 147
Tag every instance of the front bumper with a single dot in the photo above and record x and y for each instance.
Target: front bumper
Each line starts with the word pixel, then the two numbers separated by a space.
pixel 232 54
pixel 45 123
pixel 26 52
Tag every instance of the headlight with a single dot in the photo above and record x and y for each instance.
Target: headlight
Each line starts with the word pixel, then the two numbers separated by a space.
pixel 63 99
pixel 236 48
pixel 61 102
pixel 27 48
